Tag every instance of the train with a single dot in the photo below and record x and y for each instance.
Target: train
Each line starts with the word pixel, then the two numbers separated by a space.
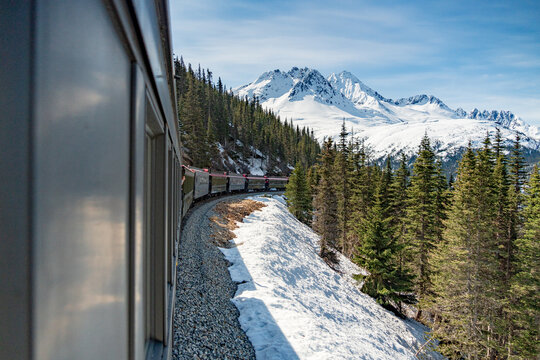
pixel 94 189
pixel 199 183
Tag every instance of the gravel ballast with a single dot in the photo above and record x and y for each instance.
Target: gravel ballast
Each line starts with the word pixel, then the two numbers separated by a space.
pixel 206 321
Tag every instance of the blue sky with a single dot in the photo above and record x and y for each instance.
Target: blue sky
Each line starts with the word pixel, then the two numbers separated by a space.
pixel 483 54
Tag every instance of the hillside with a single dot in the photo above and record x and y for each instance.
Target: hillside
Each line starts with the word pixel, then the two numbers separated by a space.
pixel 223 132
pixel 294 306
pixel 389 126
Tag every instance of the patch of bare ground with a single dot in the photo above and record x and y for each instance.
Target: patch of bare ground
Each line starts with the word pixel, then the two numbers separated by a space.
pixel 229 214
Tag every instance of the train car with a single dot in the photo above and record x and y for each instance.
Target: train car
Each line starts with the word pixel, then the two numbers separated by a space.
pixel 276 183
pixel 218 183
pixel 236 183
pixel 93 189
pixel 91 179
pixel 188 185
pixel 202 183
pixel 256 183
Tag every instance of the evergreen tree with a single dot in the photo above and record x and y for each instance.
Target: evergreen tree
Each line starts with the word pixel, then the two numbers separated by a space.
pixel 498 144
pixel 298 195
pixel 452 281
pixel 512 223
pixel 342 166
pixel 385 189
pixel 525 285
pixel 504 247
pixel 363 184
pixel 325 207
pixel 517 165
pixel 400 185
pixel 424 227
pixel 466 263
pixel 312 180
pixel 377 253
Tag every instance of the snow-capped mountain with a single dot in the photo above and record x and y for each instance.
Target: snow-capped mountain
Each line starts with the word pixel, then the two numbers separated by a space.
pixel 388 126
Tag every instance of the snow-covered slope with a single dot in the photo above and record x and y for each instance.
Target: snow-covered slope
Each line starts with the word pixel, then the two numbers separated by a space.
pixel 389 126
pixel 293 306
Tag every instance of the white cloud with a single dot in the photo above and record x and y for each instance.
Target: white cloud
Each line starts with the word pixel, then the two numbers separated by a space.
pixel 399 50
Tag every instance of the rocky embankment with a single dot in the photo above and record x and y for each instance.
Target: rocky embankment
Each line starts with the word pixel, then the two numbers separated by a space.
pixel 206 321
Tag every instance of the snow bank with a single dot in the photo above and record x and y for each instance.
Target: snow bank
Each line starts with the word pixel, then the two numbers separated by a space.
pixel 293 306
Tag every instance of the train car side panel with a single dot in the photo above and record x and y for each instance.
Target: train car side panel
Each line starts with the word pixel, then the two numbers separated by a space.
pixel 219 183
pixel 202 184
pixel 188 182
pixel 256 183
pixel 237 183
pixel 277 183
pixel 81 214
pixel 137 243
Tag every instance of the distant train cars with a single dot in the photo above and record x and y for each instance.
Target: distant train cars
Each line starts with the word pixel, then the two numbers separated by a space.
pixel 200 183
pixel 276 183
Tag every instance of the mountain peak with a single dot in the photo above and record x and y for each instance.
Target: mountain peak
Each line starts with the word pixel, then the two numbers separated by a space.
pixel 305 96
pixel 348 75
pixel 312 82
pixel 298 73
pixel 503 118
pixel 422 99
pixel 353 89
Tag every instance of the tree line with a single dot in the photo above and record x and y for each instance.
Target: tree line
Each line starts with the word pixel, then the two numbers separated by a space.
pixel 214 123
pixel 465 253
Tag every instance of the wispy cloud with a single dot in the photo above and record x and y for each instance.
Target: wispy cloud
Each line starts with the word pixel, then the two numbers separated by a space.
pixel 482 52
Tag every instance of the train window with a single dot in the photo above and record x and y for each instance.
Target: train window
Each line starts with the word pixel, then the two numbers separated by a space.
pixel 148 298
pixel 170 216
pixel 155 223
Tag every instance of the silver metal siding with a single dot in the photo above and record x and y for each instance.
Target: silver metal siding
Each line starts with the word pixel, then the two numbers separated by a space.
pixel 137 239
pixel 81 184
pixel 237 183
pixel 219 184
pixel 187 191
pixel 202 183
pixel 256 183
pixel 146 12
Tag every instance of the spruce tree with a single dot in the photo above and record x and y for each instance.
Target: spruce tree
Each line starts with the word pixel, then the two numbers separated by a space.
pixel 385 189
pixel 525 285
pixel 452 280
pixel 467 295
pixel 312 180
pixel 297 194
pixel 342 182
pixel 424 227
pixel 364 178
pixel 517 165
pixel 324 204
pixel 504 247
pixel 400 185
pixel 378 254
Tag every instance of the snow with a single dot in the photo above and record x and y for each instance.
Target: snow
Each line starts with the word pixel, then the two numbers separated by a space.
pixel 388 126
pixel 293 306
pixel 256 166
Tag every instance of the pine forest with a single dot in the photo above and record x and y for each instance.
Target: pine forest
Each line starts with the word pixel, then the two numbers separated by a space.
pixel 462 256
pixel 219 130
